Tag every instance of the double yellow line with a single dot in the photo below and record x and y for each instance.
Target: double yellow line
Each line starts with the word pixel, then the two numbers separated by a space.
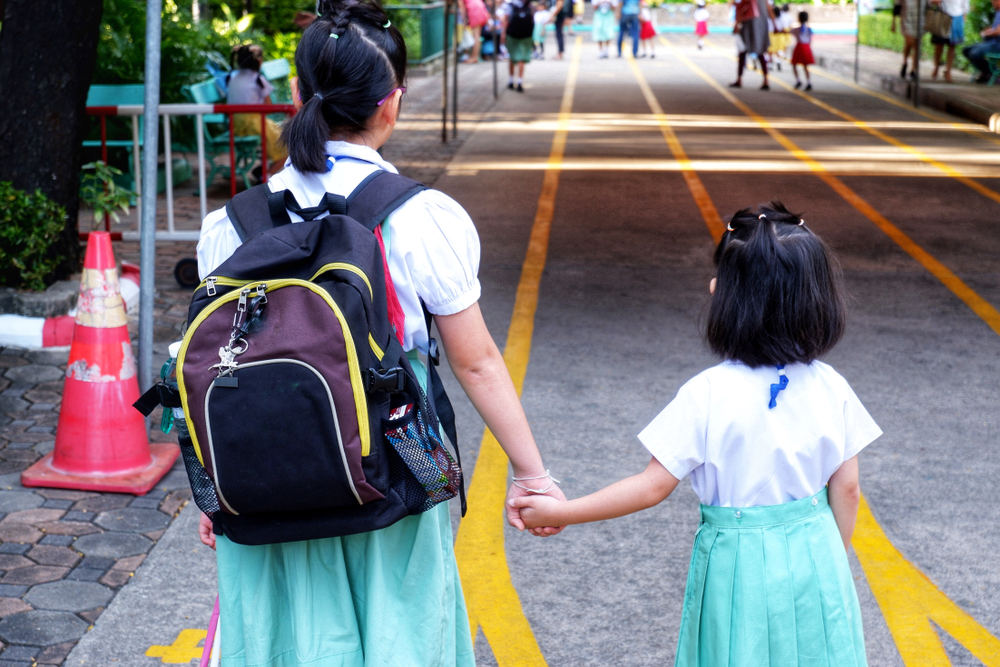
pixel 492 601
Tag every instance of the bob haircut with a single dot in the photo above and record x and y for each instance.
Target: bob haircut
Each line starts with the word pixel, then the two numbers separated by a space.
pixel 349 59
pixel 779 292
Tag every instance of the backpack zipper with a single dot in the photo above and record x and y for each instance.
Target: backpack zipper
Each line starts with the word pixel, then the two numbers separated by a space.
pixel 353 364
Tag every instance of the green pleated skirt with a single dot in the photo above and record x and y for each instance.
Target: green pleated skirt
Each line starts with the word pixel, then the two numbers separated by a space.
pixel 386 598
pixel 770 586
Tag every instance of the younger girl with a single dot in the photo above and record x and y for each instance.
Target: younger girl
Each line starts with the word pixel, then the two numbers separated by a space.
pixel 701 23
pixel 802 55
pixel 770 438
pixel 647 30
pixel 605 25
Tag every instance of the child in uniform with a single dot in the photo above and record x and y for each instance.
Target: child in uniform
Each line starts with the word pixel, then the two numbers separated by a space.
pixel 604 26
pixel 542 18
pixel 770 438
pixel 647 30
pixel 701 23
pixel 802 55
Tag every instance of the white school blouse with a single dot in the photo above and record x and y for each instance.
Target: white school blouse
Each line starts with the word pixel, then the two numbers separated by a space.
pixel 740 453
pixel 433 244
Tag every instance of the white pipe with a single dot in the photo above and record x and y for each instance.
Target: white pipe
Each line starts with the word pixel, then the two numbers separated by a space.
pixel 137 163
pixel 203 196
pixel 169 167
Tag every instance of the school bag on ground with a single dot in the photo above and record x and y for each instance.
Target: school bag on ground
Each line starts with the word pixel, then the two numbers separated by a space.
pixel 522 21
pixel 305 417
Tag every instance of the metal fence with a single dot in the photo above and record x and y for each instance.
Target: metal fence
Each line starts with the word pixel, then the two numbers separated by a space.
pixel 423 30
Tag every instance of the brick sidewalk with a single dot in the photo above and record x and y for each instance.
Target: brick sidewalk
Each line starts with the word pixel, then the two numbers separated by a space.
pixel 64 555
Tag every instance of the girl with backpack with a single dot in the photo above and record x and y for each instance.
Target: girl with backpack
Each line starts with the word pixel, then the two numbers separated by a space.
pixel 770 439
pixel 390 596
pixel 518 30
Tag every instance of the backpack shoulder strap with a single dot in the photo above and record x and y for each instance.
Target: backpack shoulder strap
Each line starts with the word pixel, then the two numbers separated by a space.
pixel 255 210
pixel 379 195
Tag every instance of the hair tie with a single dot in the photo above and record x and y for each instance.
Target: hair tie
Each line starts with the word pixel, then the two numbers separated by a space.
pixel 334 35
pixel 762 216
pixel 729 227
pixel 801 222
pixel 318 96
pixel 387 23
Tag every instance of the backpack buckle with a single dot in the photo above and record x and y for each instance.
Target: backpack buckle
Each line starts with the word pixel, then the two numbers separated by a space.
pixel 391 380
pixel 433 353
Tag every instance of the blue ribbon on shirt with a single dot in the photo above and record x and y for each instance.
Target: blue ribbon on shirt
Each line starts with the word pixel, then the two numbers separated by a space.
pixel 775 388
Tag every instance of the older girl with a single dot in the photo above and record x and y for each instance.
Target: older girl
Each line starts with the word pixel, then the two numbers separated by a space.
pixel 387 597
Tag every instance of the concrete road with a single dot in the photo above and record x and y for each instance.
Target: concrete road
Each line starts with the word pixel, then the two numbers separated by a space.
pixel 597 193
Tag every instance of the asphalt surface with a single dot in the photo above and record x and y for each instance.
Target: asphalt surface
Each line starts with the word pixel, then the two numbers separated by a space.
pixel 617 332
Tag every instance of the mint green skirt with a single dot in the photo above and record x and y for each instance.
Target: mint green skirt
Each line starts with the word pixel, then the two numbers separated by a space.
pixel 770 586
pixel 387 598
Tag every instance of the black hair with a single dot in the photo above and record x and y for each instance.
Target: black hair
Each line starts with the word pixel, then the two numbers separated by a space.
pixel 246 57
pixel 803 17
pixel 777 11
pixel 779 291
pixel 348 60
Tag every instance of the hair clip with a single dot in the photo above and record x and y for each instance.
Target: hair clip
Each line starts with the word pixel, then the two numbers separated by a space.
pixel 334 35
pixel 729 227
pixel 801 222
pixel 762 216
pixel 318 96
pixel 387 23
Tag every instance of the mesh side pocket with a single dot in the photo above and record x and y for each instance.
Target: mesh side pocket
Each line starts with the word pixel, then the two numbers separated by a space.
pixel 202 487
pixel 433 476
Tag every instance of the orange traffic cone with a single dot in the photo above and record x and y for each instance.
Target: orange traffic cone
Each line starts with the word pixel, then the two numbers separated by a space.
pixel 101 442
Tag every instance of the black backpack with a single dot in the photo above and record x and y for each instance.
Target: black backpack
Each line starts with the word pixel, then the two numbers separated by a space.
pixel 305 417
pixel 522 21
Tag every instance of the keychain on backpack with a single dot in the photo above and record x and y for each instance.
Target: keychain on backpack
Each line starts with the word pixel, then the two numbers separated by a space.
pixel 227 355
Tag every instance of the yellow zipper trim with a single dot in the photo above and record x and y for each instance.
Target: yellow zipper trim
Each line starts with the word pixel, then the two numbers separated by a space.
pixel 332 266
pixel 353 365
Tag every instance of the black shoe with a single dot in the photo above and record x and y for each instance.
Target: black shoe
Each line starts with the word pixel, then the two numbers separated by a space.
pixel 510 85
pixel 652 55
pixel 520 88
pixel 736 84
pixel 765 87
pixel 809 86
pixel 902 72
pixel 798 84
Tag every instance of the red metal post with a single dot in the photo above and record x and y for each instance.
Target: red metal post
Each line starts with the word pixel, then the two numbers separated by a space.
pixel 104 139
pixel 232 158
pixel 263 148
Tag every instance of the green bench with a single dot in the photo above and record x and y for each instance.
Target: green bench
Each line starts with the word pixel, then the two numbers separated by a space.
pixel 105 95
pixel 993 59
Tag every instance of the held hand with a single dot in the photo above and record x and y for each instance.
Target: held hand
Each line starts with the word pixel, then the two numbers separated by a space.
pixel 205 531
pixel 537 511
pixel 514 516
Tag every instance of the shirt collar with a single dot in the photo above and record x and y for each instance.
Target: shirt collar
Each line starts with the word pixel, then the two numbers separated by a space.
pixel 341 149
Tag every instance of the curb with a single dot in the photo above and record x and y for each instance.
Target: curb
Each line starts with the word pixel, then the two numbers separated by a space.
pixel 929 97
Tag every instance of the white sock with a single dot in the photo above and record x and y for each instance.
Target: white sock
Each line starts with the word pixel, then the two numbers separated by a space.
pixel 519 81
pixel 510 79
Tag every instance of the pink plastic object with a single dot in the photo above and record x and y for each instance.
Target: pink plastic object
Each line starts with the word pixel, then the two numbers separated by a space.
pixel 206 655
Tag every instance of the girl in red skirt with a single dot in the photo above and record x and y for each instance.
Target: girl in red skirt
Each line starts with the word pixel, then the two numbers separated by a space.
pixel 647 30
pixel 802 55
pixel 701 23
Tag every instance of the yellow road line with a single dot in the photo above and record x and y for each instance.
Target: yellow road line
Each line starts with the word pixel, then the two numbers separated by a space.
pixel 983 134
pixel 708 211
pixel 920 155
pixel 979 305
pixel 492 601
pixel 907 598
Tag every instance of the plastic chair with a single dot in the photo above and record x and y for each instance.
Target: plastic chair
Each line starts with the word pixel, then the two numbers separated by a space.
pixel 105 95
pixel 278 72
pixel 206 92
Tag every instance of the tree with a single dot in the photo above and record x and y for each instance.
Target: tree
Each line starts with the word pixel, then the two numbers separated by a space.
pixel 47 54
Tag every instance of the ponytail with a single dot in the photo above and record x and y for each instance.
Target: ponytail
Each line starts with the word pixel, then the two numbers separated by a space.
pixel 348 60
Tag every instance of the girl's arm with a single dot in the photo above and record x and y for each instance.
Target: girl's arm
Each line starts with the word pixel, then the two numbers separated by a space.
pixel 480 369
pixel 630 495
pixel 845 495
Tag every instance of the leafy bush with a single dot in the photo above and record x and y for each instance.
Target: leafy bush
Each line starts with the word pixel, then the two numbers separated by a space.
pixel 29 227
pixel 875 30
pixel 100 192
